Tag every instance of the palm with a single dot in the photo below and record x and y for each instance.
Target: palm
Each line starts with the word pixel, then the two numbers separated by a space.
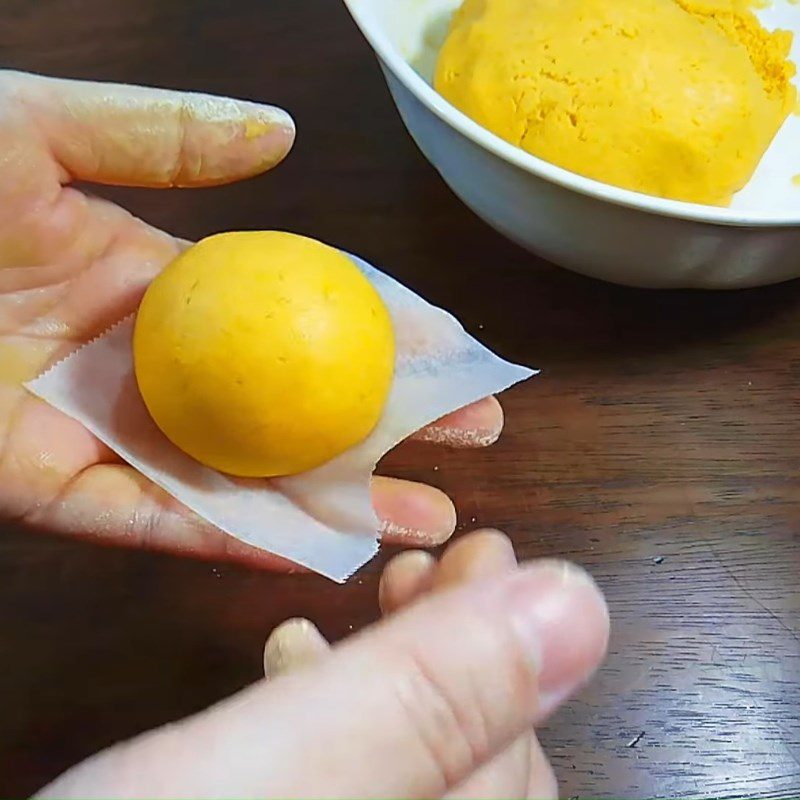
pixel 71 265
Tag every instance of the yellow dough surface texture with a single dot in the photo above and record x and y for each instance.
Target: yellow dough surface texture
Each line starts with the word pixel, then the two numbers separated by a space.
pixel 674 98
pixel 263 353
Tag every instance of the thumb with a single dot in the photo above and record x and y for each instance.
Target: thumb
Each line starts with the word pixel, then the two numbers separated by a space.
pixel 137 136
pixel 409 709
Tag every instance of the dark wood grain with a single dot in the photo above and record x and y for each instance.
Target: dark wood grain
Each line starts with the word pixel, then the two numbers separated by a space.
pixel 660 447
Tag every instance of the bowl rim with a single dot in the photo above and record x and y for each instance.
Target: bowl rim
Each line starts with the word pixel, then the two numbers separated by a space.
pixel 431 99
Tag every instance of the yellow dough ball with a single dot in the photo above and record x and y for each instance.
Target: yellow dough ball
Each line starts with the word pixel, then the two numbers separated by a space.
pixel 263 353
pixel 675 98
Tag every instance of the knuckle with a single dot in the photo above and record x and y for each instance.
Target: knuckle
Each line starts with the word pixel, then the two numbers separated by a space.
pixel 448 724
pixel 178 159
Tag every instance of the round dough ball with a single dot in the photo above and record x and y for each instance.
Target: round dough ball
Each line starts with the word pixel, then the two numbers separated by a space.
pixel 263 353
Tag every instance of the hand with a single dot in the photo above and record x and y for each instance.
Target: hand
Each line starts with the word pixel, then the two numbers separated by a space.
pixel 522 769
pixel 437 700
pixel 71 265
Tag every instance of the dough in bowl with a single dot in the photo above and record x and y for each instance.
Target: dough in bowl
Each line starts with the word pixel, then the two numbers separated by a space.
pixel 673 98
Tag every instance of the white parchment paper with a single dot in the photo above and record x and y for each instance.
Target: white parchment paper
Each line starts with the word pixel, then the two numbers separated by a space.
pixel 321 519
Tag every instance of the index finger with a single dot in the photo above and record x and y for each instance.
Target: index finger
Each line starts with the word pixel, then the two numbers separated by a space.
pixel 138 136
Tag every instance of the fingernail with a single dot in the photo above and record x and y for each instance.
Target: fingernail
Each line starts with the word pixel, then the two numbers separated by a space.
pixel 474 556
pixel 412 514
pixel 458 438
pixel 270 120
pixel 562 621
pixel 272 131
pixel 408 536
pixel 411 564
pixel 261 119
pixel 292 645
pixel 404 578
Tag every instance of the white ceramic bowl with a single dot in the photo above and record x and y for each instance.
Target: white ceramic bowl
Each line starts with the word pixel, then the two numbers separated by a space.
pixel 590 227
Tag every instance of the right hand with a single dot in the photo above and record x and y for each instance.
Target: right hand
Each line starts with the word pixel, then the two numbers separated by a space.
pixel 438 700
pixel 520 771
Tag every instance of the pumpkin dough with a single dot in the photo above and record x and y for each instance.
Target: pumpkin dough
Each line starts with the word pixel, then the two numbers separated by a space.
pixel 674 98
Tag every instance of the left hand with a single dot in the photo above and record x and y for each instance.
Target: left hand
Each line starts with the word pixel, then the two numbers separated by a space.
pixel 71 265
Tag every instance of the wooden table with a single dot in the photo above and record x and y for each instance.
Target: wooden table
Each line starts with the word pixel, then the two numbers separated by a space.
pixel 660 447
